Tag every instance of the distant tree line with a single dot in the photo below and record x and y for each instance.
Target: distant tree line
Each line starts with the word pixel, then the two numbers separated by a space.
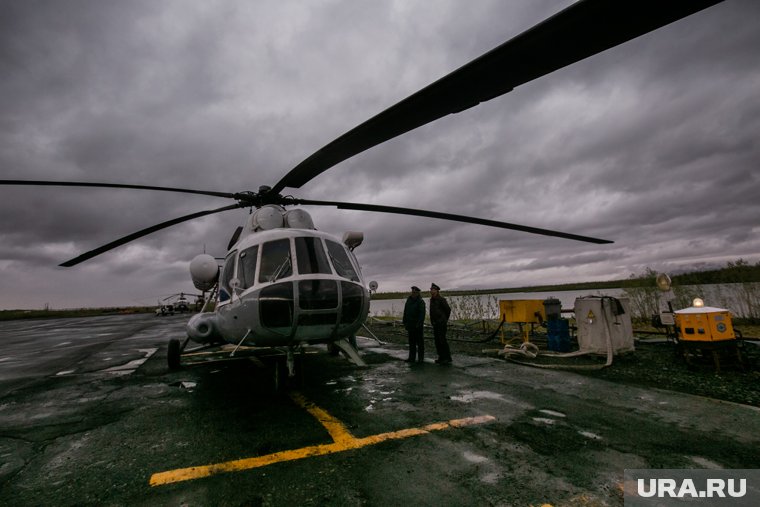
pixel 742 297
pixel 739 271
pixel 47 313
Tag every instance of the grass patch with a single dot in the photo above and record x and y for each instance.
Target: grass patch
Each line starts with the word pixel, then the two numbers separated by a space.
pixel 71 313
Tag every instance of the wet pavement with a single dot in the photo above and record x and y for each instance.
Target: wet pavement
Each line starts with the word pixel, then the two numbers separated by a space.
pixel 90 415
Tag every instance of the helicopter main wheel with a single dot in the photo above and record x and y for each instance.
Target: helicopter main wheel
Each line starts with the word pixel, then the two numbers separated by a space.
pixel 173 354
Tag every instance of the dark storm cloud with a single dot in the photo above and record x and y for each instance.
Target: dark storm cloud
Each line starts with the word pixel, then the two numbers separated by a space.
pixel 651 144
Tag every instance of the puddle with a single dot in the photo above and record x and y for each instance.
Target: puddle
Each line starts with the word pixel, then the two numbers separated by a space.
pixel 184 384
pixel 706 463
pixel 474 458
pixel 552 412
pixel 131 366
pixel 469 397
pixel 588 434
pixel 377 388
pixel 490 478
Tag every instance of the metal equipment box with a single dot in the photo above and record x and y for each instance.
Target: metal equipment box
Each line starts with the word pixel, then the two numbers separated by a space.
pixel 704 324
pixel 522 311
pixel 604 325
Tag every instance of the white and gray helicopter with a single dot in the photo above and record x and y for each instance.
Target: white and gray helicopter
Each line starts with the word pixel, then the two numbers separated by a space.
pixel 286 285
pixel 178 303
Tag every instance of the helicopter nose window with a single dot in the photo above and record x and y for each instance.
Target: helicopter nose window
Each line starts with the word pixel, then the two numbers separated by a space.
pixel 247 266
pixel 276 305
pixel 353 297
pixel 311 256
pixel 340 261
pixel 275 261
pixel 318 294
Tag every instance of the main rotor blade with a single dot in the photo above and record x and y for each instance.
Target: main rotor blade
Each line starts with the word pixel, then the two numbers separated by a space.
pixel 585 28
pixel 449 216
pixel 144 232
pixel 43 183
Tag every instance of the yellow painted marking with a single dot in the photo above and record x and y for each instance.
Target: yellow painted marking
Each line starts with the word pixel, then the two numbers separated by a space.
pixel 343 440
pixel 334 427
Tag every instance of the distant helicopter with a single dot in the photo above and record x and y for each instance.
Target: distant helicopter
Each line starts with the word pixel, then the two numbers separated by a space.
pixel 283 283
pixel 178 303
pixel 164 309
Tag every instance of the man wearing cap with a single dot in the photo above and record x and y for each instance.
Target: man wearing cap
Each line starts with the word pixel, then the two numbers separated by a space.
pixel 414 320
pixel 439 318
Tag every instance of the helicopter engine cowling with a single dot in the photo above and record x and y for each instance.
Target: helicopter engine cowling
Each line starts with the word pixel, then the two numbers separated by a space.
pixel 202 328
pixel 204 271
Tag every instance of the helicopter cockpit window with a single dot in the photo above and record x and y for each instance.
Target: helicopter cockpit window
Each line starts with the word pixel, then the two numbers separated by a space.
pixel 353 298
pixel 311 256
pixel 228 272
pixel 276 263
pixel 341 261
pixel 276 306
pixel 247 266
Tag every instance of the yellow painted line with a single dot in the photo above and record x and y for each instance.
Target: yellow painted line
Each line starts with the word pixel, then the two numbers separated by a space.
pixel 334 427
pixel 343 441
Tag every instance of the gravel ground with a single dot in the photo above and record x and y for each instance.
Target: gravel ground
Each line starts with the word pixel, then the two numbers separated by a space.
pixel 653 364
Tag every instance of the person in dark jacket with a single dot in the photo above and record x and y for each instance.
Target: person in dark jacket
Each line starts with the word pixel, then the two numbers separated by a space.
pixel 439 318
pixel 414 320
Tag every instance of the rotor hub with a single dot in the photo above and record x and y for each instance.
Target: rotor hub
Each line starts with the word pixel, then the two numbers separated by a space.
pixel 261 198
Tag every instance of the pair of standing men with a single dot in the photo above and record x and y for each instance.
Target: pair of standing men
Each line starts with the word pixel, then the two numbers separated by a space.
pixel 414 320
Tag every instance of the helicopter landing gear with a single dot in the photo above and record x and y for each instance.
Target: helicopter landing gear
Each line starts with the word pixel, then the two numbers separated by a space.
pixel 349 350
pixel 288 370
pixel 280 378
pixel 174 353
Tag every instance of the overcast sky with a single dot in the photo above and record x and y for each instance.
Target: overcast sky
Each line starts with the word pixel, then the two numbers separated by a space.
pixel 653 144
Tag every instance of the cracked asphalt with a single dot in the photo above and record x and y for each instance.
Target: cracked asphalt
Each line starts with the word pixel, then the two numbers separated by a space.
pixel 89 414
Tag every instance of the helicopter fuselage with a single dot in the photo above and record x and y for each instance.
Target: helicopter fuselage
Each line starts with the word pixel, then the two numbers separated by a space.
pixel 285 287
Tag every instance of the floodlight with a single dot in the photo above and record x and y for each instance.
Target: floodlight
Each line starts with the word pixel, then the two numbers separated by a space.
pixel 663 282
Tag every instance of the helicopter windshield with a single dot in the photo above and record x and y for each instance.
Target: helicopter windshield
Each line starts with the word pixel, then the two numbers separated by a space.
pixel 311 256
pixel 275 261
pixel 227 273
pixel 247 266
pixel 340 260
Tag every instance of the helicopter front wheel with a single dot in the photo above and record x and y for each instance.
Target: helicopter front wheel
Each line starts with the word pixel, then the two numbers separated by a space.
pixel 173 354
pixel 280 379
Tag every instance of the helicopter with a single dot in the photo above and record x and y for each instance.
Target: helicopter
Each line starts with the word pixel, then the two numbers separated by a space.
pixel 178 303
pixel 285 284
